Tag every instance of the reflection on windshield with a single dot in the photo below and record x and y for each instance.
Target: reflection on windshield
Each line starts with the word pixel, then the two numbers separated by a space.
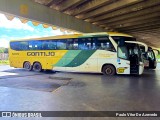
pixel 151 55
pixel 128 50
pixel 147 55
pixel 123 52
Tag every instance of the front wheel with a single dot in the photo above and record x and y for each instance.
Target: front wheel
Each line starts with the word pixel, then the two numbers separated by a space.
pixel 27 66
pixel 109 70
pixel 37 67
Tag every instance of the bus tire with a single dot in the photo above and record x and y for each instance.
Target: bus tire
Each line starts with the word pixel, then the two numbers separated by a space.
pixel 27 66
pixel 109 70
pixel 37 67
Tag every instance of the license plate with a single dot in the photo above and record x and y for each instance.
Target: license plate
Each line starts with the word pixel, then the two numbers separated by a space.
pixel 121 70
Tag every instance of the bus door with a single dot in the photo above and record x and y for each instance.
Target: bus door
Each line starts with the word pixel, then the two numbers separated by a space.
pixel 134 59
pixel 131 54
pixel 123 66
pixel 152 59
pixel 135 56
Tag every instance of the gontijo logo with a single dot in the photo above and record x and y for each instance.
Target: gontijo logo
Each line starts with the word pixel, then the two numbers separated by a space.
pixel 40 53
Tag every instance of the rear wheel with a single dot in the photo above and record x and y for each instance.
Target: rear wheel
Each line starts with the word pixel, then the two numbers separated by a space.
pixel 27 66
pixel 37 67
pixel 109 70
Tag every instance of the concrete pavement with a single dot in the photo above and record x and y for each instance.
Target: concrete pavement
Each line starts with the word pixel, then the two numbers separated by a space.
pixel 30 91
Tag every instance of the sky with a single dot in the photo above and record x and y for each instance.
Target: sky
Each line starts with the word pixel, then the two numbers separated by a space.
pixel 15 29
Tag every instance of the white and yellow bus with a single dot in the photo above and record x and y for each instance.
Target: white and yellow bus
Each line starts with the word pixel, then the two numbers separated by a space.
pixel 92 52
pixel 149 57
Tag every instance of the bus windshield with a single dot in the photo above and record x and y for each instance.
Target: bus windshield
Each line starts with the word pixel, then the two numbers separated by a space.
pixel 117 39
pixel 128 50
pixel 151 55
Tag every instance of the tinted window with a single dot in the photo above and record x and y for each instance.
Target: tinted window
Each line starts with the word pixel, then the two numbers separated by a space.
pixel 94 43
pixel 49 45
pixel 75 44
pixel 35 45
pixel 70 44
pixel 87 43
pixel 14 45
pixel 84 43
pixel 22 45
pixel 61 44
pixel 123 52
pixel 118 39
pixel 104 43
pixel 151 55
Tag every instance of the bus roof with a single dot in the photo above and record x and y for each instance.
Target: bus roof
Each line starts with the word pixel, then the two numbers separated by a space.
pixel 78 36
pixel 118 34
pixel 52 37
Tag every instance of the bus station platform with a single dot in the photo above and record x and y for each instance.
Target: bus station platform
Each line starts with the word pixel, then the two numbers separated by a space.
pixel 21 90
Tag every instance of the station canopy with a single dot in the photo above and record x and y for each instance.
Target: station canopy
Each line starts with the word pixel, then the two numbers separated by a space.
pixel 139 18
pixel 36 23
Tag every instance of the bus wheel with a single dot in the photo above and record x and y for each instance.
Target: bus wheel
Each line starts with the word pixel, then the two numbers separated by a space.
pixel 109 70
pixel 37 67
pixel 27 66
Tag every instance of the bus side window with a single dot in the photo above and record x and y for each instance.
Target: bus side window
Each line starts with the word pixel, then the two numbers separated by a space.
pixel 52 45
pixel 89 43
pixel 14 45
pixel 103 43
pixel 69 44
pixel 35 45
pixel 84 43
pixel 61 44
pixel 81 43
pixel 23 45
pixel 75 44
pixel 49 45
pixel 94 43
pixel 44 45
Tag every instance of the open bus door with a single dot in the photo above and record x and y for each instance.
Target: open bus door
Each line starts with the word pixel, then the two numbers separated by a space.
pixel 152 58
pixel 133 54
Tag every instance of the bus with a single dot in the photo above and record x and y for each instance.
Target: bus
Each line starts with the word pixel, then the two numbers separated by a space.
pixel 149 58
pixel 90 52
